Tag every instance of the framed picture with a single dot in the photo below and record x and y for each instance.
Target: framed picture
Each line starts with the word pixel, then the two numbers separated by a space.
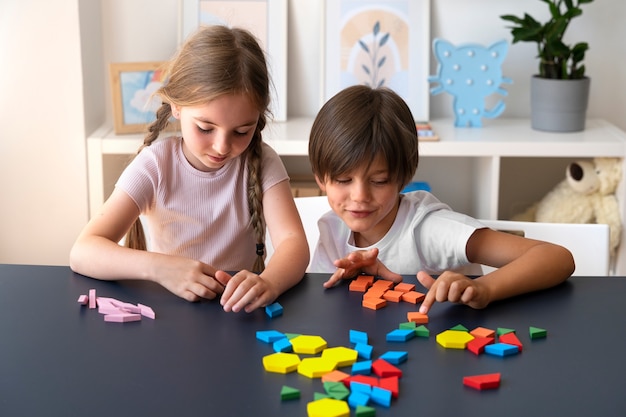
pixel 266 19
pixel 132 88
pixel 379 43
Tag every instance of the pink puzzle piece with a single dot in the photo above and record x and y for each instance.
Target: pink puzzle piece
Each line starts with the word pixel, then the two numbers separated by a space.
pixel 146 311
pixel 92 298
pixel 122 318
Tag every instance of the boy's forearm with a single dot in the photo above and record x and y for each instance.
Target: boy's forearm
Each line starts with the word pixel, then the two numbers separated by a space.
pixel 542 267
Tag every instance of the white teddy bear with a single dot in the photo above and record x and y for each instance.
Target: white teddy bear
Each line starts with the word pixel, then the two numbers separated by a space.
pixel 586 195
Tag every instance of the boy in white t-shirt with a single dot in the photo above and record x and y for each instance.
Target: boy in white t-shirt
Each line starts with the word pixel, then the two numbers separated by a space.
pixel 363 150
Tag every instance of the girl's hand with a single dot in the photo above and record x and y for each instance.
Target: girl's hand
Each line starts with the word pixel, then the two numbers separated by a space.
pixel 245 290
pixel 453 287
pixel 361 261
pixel 189 279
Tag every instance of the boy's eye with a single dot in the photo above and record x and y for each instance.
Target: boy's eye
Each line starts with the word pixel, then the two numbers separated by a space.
pixel 381 181
pixel 342 180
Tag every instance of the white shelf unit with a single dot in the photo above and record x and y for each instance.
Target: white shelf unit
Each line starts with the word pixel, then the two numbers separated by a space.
pixel 491 172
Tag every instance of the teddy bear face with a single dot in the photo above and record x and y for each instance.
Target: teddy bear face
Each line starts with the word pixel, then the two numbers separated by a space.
pixel 602 175
pixel 609 171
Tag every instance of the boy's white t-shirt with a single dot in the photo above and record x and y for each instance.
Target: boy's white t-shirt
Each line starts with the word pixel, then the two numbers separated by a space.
pixel 196 214
pixel 425 236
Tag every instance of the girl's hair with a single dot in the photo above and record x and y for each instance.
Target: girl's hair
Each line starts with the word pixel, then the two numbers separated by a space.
pixel 215 61
pixel 358 125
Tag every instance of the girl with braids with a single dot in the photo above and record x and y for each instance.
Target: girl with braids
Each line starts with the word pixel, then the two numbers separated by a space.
pixel 207 196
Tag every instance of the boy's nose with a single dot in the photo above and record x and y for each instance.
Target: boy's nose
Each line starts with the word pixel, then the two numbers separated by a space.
pixel 360 192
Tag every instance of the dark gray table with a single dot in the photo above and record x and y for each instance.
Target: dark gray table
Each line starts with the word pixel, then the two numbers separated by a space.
pixel 58 358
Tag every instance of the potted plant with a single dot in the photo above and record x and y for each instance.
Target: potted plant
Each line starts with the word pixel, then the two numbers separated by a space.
pixel 560 91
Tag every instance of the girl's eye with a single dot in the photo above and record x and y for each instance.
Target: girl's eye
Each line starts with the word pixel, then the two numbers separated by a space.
pixel 209 130
pixel 241 133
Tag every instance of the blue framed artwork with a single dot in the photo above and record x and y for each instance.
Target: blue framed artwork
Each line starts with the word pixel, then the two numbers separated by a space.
pixel 379 43
pixel 132 88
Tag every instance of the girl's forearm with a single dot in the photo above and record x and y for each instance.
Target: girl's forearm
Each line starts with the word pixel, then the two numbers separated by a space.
pixel 288 264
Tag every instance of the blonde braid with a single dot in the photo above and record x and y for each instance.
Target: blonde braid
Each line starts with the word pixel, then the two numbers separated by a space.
pixel 136 237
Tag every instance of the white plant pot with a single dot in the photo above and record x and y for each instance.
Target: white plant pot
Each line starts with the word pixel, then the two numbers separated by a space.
pixel 559 105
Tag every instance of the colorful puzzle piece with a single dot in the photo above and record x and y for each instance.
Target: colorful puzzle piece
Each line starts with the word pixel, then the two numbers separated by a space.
pixel 281 363
pixel 454 339
pixel 400 335
pixel 417 317
pixel 310 344
pixel 315 367
pixel 511 339
pixel 274 310
pixel 342 356
pixel 395 357
pixel 328 407
pixel 289 393
pixel 537 332
pixel 384 369
pixel 482 382
pixel 501 349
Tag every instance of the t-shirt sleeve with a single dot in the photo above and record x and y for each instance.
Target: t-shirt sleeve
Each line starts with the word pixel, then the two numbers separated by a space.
pixel 274 170
pixel 327 249
pixel 140 179
pixel 443 237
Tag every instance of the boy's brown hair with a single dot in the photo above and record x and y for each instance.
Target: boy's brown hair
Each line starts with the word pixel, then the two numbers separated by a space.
pixel 359 124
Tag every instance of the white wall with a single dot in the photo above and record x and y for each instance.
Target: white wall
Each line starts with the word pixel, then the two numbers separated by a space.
pixel 54 89
pixel 43 185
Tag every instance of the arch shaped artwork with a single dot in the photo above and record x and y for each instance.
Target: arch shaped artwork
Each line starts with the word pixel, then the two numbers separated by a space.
pixel 380 44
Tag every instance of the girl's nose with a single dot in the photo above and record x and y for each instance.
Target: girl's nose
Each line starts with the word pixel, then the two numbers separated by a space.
pixel 221 144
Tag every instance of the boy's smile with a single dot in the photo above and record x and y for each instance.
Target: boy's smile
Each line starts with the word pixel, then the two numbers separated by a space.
pixel 366 201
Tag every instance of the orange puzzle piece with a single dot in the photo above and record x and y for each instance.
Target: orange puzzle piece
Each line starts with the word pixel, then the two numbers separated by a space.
pixel 393 295
pixel 413 297
pixel 417 317
pixel 374 303
pixel 404 287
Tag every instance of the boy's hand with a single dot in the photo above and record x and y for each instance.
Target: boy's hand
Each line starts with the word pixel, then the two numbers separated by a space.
pixel 453 287
pixel 244 290
pixel 361 261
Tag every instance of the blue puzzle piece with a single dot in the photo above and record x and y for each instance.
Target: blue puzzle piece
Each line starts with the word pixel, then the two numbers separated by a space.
pixel 501 349
pixel 364 350
pixel 381 396
pixel 274 310
pixel 395 357
pixel 269 336
pixel 282 345
pixel 362 368
pixel 357 336
pixel 358 398
pixel 400 335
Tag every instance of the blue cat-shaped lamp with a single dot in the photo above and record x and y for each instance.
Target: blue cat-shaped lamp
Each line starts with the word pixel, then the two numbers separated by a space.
pixel 470 73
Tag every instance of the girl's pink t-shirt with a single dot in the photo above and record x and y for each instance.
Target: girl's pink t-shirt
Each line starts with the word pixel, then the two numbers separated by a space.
pixel 196 214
